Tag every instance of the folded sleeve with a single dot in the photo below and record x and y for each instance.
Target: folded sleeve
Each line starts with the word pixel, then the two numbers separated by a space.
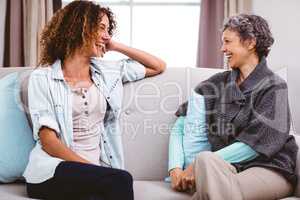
pixel 40 104
pixel 176 154
pixel 132 70
pixel 237 152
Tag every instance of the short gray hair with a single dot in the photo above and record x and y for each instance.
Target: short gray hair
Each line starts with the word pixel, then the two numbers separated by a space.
pixel 252 27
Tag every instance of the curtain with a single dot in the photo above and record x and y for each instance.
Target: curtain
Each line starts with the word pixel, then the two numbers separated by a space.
pixel 234 7
pixel 13 45
pixel 23 23
pixel 2 30
pixel 36 15
pixel 209 40
pixel 57 4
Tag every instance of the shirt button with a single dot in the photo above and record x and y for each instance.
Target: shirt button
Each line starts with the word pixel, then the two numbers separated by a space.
pixel 104 141
pixel 86 112
pixel 86 103
pixel 110 157
pixel 83 96
pixel 108 97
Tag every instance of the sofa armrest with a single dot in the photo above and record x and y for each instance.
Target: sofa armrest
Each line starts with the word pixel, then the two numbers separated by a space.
pixel 297 189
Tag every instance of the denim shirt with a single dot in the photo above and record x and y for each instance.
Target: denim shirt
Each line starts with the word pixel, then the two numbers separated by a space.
pixel 50 105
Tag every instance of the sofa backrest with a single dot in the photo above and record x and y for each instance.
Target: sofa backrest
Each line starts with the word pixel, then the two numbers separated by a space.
pixel 148 114
pixel 293 81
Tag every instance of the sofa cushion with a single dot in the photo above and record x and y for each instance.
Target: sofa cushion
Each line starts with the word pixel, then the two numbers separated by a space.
pixel 157 190
pixel 14 191
pixel 143 190
pixel 297 189
pixel 16 139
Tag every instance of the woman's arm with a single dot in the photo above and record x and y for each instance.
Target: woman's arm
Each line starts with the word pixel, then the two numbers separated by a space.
pixel 153 64
pixel 54 147
pixel 237 152
pixel 176 154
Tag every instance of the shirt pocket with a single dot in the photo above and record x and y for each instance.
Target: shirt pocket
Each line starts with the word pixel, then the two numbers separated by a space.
pixel 58 108
pixel 59 112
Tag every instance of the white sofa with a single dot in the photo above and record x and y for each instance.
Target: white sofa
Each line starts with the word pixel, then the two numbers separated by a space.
pixel 148 114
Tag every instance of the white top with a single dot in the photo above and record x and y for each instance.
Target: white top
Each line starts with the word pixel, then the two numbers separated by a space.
pixel 89 107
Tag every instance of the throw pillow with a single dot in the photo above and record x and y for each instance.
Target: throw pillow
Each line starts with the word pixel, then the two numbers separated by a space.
pixel 16 139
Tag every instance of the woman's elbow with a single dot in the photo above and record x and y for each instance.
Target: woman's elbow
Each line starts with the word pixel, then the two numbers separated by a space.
pixel 48 139
pixel 161 67
pixel 156 69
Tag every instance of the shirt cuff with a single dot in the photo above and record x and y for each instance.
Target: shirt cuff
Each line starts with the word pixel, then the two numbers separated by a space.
pixel 171 167
pixel 48 122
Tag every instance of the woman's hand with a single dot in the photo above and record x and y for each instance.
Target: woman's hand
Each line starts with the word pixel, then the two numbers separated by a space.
pixel 111 45
pixel 153 65
pixel 188 178
pixel 176 175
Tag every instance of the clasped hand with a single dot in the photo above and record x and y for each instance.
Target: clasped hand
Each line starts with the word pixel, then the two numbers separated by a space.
pixel 183 180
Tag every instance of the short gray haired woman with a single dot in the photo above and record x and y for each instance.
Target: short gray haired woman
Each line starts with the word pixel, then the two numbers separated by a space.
pixel 246 105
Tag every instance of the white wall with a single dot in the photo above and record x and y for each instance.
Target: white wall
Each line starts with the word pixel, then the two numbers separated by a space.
pixel 284 19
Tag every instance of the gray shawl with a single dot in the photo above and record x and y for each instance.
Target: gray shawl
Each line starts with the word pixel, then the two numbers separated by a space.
pixel 255 113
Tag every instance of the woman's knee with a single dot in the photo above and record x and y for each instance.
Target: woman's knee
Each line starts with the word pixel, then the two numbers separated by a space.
pixel 124 177
pixel 127 177
pixel 204 157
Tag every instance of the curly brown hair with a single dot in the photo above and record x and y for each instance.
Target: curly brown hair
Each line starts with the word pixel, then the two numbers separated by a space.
pixel 72 27
pixel 252 27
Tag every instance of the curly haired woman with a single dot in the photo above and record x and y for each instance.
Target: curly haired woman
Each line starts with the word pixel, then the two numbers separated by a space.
pixel 231 141
pixel 74 102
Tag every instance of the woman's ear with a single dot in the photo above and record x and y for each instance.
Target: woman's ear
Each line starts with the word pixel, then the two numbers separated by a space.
pixel 251 43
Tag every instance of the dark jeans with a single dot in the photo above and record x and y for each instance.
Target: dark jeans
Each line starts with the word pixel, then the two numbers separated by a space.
pixel 78 181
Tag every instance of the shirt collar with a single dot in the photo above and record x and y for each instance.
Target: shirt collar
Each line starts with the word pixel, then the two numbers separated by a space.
pixel 260 73
pixel 96 66
pixel 235 92
pixel 57 72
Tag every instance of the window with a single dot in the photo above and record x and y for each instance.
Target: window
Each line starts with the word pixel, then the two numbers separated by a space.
pixel 168 29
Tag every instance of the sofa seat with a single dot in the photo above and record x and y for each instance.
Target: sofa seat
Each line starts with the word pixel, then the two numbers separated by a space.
pixel 13 191
pixel 143 190
pixel 156 190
